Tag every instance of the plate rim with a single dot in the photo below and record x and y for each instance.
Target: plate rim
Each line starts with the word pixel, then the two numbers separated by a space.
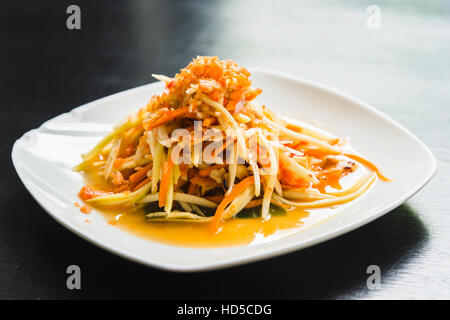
pixel 269 253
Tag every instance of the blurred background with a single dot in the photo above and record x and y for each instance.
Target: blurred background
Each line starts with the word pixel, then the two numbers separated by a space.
pixel 398 63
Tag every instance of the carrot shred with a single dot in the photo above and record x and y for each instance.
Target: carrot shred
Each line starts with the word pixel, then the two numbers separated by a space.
pixel 216 198
pixel 119 162
pixel 252 94
pixel 237 190
pixel 140 174
pixel 125 186
pixel 208 121
pixel 254 203
pixel 165 181
pixel 315 152
pixel 368 164
pixel 88 192
pixel 142 183
pixel 201 181
pixel 167 116
pixel 294 127
pixel 129 151
pixel 223 147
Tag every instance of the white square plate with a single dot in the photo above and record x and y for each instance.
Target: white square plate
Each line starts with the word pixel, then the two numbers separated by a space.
pixel 44 157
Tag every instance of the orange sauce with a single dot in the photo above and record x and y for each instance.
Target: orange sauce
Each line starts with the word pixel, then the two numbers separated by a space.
pixel 198 234
pixel 86 209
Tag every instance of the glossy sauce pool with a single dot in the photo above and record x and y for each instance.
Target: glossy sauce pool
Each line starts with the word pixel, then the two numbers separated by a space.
pixel 233 232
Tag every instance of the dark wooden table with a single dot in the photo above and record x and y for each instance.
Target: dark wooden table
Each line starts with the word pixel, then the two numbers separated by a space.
pixel 402 69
